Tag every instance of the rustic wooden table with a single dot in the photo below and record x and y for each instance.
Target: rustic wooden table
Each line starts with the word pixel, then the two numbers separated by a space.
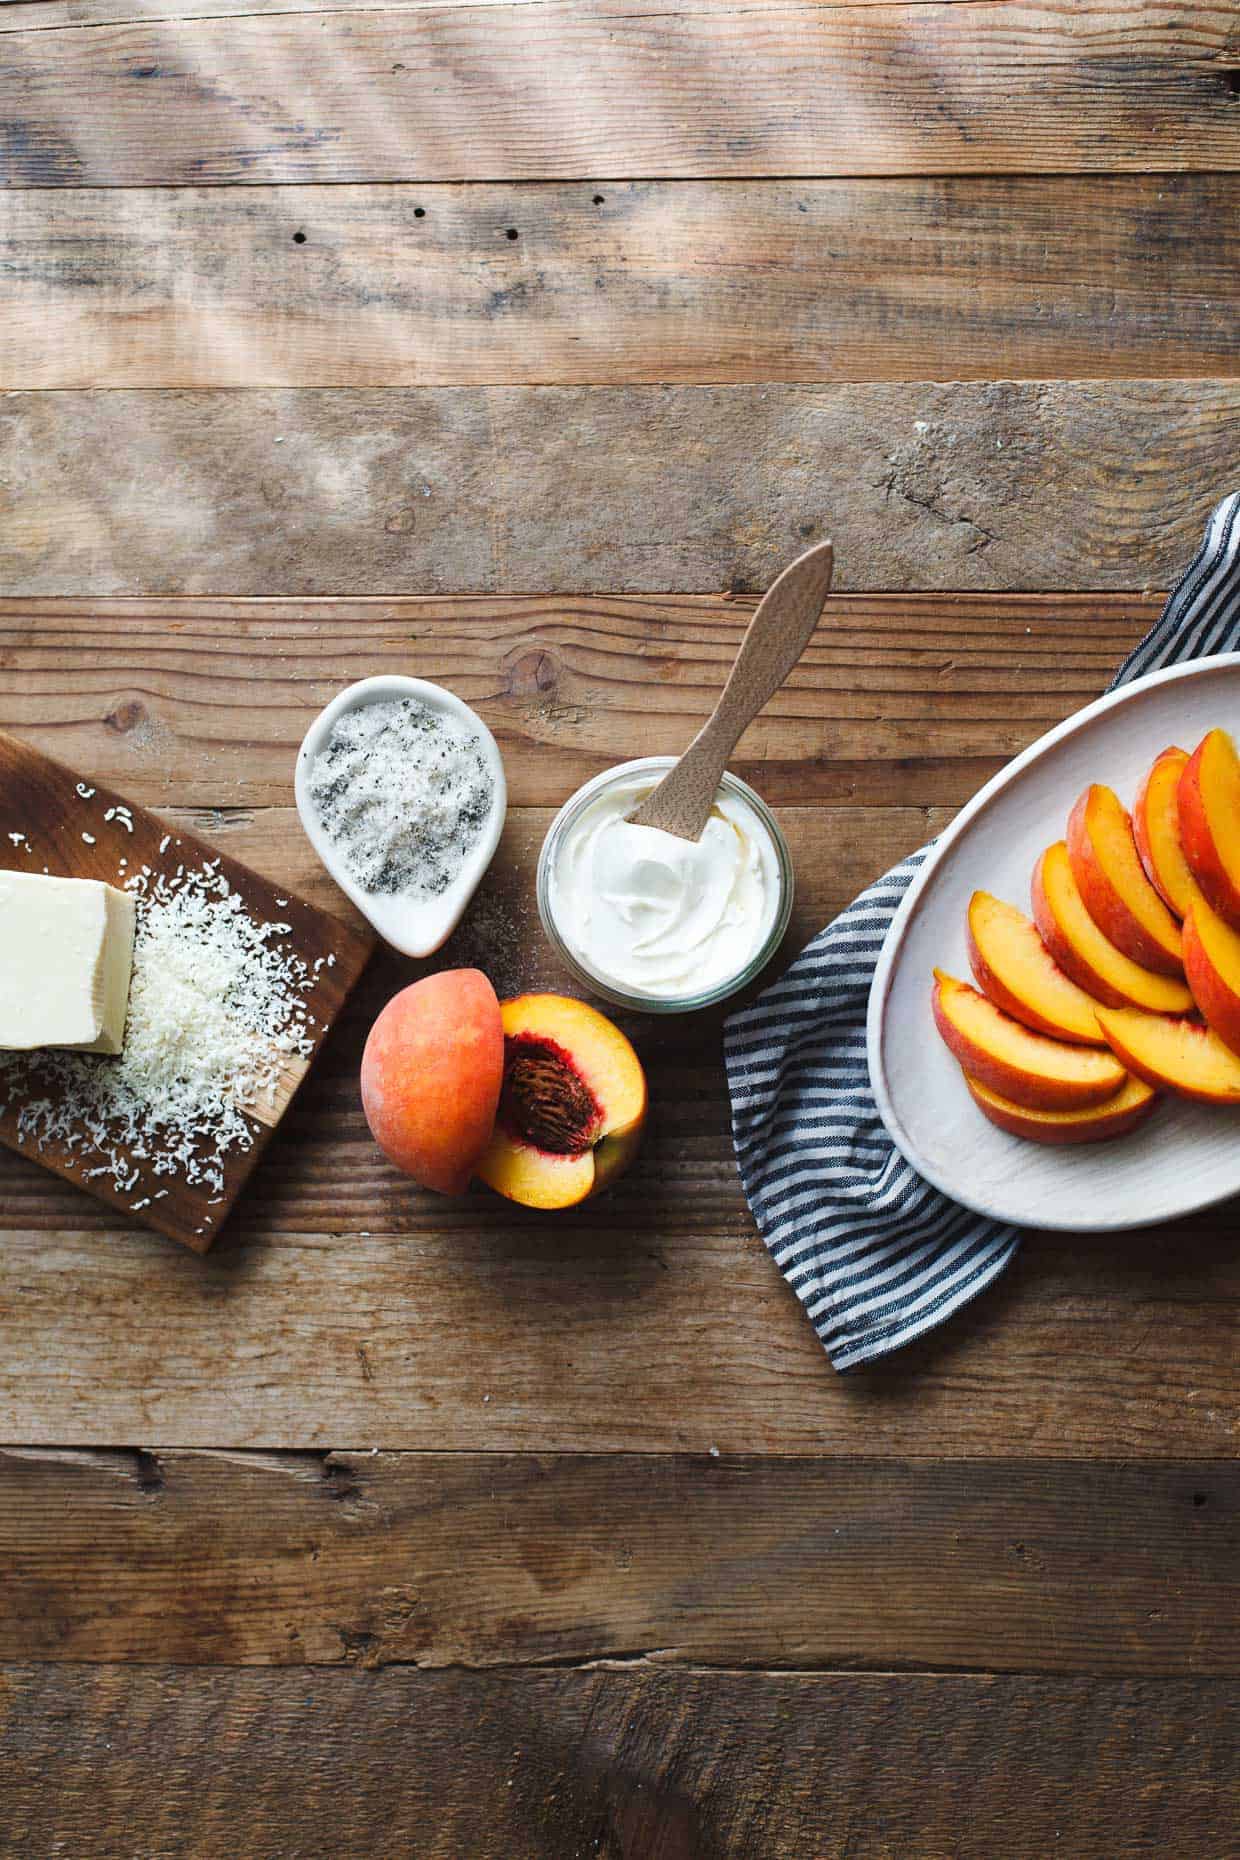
pixel 517 345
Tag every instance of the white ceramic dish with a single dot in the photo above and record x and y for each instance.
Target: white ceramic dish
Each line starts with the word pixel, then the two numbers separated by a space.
pixel 1188 1155
pixel 416 927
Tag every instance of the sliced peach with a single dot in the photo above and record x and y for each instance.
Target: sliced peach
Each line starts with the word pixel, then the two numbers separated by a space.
pixel 1013 966
pixel 1084 953
pixel 1111 880
pixel 1130 1106
pixel 572 1105
pixel 1183 1055
pixel 1212 964
pixel 1028 1068
pixel 1156 829
pixel 1209 806
pixel 431 1074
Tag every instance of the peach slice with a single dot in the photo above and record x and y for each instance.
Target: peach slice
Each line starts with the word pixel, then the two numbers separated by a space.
pixel 572 1105
pixel 1112 882
pixel 431 1074
pixel 1012 965
pixel 1209 807
pixel 1028 1068
pixel 1183 1055
pixel 1084 953
pixel 1130 1106
pixel 1212 964
pixel 1156 829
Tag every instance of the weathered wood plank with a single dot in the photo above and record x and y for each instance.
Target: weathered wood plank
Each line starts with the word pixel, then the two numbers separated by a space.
pixel 632 1763
pixel 486 1559
pixel 541 92
pixel 392 1326
pixel 1002 486
pixel 960 279
pixel 907 699
pixel 15 15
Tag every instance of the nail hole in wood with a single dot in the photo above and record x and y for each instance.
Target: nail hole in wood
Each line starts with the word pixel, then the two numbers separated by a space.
pixel 299 238
pixel 1201 1498
pixel 419 213
pixel 598 200
pixel 513 233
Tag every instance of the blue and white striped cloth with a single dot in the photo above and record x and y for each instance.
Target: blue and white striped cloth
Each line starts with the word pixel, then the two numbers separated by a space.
pixel 875 1254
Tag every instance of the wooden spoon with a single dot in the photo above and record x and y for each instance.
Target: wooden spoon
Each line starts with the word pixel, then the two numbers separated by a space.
pixel 776 637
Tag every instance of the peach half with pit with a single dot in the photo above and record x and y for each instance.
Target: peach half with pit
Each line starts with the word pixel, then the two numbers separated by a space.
pixel 572 1104
pixel 431 1077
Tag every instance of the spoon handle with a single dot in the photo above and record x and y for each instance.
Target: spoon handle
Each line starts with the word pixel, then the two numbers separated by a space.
pixel 775 639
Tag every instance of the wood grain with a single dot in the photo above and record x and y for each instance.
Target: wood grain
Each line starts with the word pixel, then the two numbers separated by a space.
pixel 998 486
pixel 389 1324
pixel 51 821
pixel 539 92
pixel 15 15
pixel 631 1763
pixel 492 1560
pixel 960 279
pixel 909 700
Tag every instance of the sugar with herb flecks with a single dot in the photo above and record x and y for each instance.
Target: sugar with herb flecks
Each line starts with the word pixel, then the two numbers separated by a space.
pixel 404 791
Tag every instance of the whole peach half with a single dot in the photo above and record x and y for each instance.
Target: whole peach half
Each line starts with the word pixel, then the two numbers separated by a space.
pixel 431 1076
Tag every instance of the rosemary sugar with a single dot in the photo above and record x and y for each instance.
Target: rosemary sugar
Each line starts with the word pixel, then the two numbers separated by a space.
pixel 404 791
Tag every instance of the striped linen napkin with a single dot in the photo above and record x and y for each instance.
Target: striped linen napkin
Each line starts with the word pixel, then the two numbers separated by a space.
pixel 875 1254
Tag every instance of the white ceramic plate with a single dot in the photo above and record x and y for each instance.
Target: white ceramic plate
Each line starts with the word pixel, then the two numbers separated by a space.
pixel 416 927
pixel 1188 1155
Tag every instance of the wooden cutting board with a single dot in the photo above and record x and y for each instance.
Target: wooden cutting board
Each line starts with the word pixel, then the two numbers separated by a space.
pixel 50 817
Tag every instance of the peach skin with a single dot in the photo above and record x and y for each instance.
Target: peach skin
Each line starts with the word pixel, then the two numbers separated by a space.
pixel 1156 828
pixel 1111 880
pixel 1208 799
pixel 1012 965
pixel 431 1074
pixel 1084 953
pixel 1029 1069
pixel 572 1105
pixel 1130 1106
pixel 1212 964
pixel 1182 1055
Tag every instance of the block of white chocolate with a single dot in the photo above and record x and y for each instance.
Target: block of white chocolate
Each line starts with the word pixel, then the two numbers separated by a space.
pixel 66 952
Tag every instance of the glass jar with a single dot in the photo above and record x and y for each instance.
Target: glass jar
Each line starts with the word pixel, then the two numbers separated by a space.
pixel 575 960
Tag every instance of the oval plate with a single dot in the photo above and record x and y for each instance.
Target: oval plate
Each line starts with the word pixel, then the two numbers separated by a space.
pixel 1188 1155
